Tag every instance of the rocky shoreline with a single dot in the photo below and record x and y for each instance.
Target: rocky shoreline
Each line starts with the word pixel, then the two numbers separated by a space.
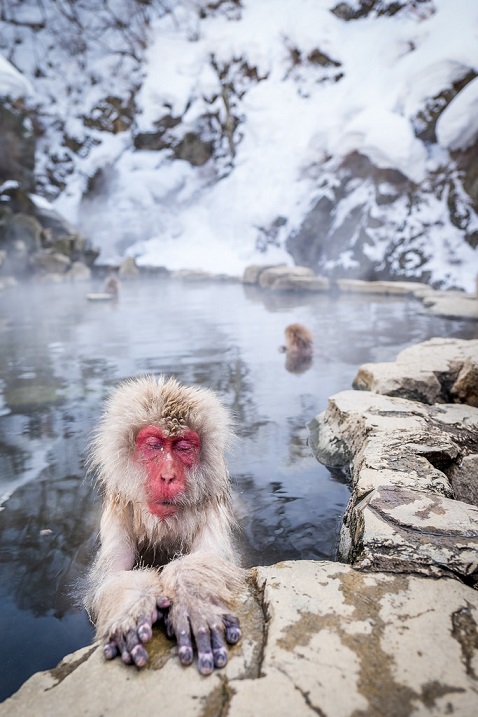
pixel 394 630
pixel 450 304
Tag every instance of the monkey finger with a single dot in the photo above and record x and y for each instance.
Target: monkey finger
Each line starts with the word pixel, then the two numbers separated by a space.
pixel 233 628
pixel 169 626
pixel 110 649
pixel 144 630
pixel 123 650
pixel 185 647
pixel 135 649
pixel 205 656
pixel 163 602
pixel 218 643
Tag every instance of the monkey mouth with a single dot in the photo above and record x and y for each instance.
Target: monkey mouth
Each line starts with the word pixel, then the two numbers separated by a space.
pixel 163 508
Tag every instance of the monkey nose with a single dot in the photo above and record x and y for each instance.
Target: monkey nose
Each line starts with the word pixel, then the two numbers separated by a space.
pixel 168 477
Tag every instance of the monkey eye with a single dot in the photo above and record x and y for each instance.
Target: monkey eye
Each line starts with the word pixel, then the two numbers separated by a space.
pixel 154 442
pixel 184 446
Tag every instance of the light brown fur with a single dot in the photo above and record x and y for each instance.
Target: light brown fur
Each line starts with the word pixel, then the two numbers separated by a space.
pixel 188 557
pixel 112 286
pixel 299 340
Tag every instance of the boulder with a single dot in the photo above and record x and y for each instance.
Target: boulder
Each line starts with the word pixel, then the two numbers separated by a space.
pixel 407 464
pixel 252 273
pixel 79 272
pixel 438 370
pixel 128 269
pixel 278 276
pixel 50 262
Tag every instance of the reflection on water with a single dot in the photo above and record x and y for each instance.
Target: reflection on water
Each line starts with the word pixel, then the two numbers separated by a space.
pixel 59 357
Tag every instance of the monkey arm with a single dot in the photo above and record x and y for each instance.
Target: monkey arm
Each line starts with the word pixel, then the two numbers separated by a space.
pixel 201 587
pixel 122 601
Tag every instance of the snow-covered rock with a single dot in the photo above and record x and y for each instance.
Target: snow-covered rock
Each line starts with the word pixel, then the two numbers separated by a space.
pixel 12 83
pixel 457 127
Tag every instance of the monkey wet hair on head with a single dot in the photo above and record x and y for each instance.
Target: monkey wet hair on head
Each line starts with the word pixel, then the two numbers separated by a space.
pixel 167 523
pixel 299 348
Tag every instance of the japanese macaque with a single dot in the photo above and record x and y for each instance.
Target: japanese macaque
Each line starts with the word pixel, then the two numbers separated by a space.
pixel 299 348
pixel 167 524
pixel 112 286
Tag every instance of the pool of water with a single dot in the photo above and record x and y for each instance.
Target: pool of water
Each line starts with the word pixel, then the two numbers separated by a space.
pixel 60 355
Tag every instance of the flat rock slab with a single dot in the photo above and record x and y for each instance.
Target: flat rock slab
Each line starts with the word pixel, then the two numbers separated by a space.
pixel 360 286
pixel 435 371
pixel 453 307
pixel 327 640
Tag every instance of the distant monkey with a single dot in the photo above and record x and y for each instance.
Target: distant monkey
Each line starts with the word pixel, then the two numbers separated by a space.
pixel 299 348
pixel 112 286
pixel 166 530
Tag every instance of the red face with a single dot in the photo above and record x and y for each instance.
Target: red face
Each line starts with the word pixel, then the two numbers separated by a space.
pixel 167 460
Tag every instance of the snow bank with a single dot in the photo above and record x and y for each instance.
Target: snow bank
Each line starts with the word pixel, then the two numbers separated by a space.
pixel 457 126
pixel 12 83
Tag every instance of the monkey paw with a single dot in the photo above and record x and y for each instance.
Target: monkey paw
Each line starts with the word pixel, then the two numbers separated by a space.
pixel 126 637
pixel 209 630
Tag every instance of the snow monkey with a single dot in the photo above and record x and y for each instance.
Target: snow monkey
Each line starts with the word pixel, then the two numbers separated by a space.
pixel 299 348
pixel 166 528
pixel 112 286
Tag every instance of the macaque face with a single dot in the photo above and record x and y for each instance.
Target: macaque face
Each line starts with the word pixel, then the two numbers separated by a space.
pixel 166 460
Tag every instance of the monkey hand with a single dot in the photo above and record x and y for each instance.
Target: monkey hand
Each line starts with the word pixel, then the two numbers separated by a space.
pixel 127 637
pixel 127 610
pixel 209 626
pixel 200 586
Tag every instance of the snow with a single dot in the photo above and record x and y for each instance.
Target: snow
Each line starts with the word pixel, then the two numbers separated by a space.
pixel 299 114
pixel 387 139
pixel 457 126
pixel 12 83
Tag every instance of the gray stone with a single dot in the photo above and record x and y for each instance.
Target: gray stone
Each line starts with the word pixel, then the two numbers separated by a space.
pixel 395 529
pixel 465 388
pixel 128 268
pixel 301 283
pixel 463 477
pixel 269 277
pixel 380 287
pixel 433 371
pixel 252 272
pixel 323 639
pixel 453 307
pixel 50 262
pixel 402 455
pixel 79 272
pixel 198 275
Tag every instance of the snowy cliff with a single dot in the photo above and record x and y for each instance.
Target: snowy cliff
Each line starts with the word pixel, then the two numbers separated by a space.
pixel 193 134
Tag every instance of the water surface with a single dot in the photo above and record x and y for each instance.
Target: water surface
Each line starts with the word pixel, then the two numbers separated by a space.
pixel 60 355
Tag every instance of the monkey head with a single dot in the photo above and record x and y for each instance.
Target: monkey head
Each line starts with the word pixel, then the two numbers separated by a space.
pixel 164 443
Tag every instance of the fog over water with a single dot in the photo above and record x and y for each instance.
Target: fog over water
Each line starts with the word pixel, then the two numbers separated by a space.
pixel 60 355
